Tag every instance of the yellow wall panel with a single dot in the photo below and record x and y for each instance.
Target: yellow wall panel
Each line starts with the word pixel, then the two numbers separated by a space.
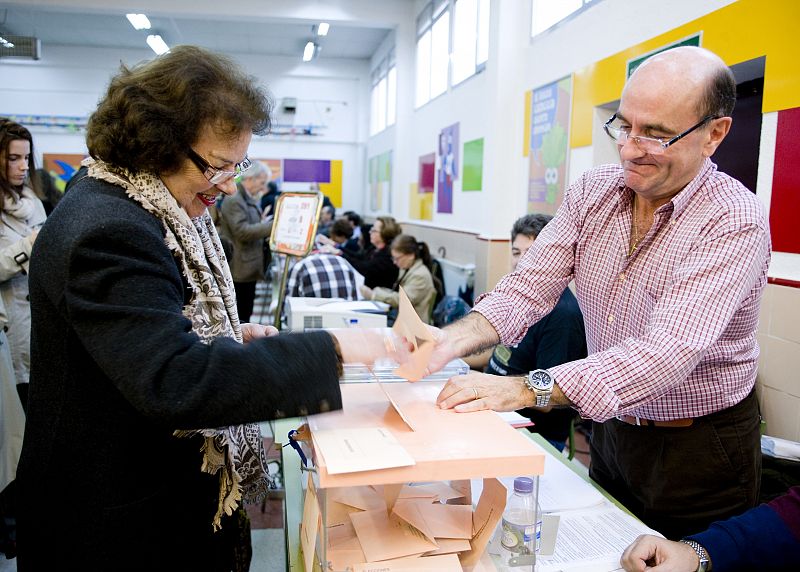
pixel 739 32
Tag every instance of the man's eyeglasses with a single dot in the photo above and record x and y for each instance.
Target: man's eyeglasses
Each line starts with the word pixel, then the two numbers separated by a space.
pixel 212 174
pixel 650 145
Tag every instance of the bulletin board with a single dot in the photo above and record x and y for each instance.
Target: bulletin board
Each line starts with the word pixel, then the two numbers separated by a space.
pixel 295 224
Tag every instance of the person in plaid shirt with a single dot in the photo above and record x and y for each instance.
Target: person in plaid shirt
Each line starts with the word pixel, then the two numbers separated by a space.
pixel 669 258
pixel 322 276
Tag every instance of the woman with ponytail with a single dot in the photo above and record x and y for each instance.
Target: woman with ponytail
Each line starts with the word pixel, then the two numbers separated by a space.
pixel 414 261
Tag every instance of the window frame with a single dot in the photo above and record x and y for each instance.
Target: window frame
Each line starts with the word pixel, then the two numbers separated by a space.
pixel 430 14
pixel 380 117
pixel 585 4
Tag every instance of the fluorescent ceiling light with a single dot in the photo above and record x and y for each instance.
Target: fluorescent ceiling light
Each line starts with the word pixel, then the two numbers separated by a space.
pixel 308 52
pixel 138 21
pixel 157 43
pixel 322 29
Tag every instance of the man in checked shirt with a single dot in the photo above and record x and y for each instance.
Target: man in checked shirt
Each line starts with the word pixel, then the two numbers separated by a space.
pixel 669 258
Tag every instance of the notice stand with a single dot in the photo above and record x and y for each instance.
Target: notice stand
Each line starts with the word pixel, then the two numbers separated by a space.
pixel 293 233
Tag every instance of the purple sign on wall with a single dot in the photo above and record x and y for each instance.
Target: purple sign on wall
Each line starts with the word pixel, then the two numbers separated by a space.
pixel 306 171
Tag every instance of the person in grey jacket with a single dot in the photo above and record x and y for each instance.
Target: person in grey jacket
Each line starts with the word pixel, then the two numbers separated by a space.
pixel 21 216
pixel 244 225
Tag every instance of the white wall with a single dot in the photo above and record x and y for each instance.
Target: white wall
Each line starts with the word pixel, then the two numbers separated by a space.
pixel 491 104
pixel 69 81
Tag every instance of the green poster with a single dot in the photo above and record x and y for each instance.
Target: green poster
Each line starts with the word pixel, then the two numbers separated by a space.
pixel 473 165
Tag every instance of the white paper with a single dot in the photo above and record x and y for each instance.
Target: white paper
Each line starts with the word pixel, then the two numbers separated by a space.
pixel 592 539
pixel 560 488
pixel 362 449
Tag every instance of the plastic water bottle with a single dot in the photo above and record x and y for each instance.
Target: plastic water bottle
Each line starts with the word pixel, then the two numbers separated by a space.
pixel 522 525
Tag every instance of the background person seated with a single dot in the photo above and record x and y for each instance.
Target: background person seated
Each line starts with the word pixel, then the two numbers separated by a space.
pixel 322 276
pixel 557 338
pixel 376 265
pixel 340 237
pixel 326 216
pixel 414 261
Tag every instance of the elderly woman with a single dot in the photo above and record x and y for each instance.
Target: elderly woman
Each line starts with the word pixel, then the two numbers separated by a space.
pixel 414 261
pixel 243 224
pixel 145 384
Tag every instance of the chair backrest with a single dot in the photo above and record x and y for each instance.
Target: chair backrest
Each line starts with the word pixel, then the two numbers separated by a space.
pixel 431 305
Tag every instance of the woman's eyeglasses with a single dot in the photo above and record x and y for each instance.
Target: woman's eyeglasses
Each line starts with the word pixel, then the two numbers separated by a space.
pixel 212 174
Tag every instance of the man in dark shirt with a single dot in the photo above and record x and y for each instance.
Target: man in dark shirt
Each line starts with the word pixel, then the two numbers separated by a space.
pixel 557 338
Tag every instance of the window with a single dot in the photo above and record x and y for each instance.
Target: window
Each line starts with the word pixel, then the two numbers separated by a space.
pixel 383 98
pixel 452 45
pixel 470 38
pixel 547 13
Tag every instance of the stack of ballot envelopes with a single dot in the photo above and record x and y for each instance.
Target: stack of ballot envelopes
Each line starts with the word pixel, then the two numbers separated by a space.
pixel 391 489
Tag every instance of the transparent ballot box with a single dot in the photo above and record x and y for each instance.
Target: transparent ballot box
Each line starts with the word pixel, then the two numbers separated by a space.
pixel 391 483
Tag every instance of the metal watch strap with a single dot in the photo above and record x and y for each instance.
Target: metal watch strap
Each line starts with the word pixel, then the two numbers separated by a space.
pixel 705 561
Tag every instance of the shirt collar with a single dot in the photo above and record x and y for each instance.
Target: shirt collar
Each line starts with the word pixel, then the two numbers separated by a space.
pixel 680 201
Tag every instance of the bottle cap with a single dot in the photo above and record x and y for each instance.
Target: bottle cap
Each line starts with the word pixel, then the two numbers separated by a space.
pixel 523 485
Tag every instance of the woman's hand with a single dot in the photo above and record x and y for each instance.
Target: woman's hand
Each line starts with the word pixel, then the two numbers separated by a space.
pixel 366 291
pixel 252 332
pixel 368 345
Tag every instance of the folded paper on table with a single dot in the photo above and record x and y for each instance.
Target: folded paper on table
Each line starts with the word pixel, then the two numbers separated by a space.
pixel 363 449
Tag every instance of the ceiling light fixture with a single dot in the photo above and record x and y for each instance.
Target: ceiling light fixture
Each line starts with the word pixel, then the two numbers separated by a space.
pixel 322 29
pixel 309 51
pixel 138 21
pixel 157 43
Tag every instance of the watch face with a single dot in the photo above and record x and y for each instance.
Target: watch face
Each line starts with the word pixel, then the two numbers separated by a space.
pixel 540 379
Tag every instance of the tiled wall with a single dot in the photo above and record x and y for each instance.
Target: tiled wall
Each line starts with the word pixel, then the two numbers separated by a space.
pixel 779 365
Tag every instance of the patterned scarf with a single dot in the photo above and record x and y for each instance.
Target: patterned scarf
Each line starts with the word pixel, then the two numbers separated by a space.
pixel 235 453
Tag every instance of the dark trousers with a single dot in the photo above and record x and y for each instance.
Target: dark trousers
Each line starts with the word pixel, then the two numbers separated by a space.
pixel 678 480
pixel 245 296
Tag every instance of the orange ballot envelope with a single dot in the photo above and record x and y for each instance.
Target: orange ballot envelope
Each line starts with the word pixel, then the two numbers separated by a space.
pixel 409 326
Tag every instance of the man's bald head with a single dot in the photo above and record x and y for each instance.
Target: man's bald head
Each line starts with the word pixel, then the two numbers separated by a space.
pixel 693 71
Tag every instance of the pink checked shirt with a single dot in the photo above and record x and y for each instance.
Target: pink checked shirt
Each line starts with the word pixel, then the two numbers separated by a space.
pixel 671 329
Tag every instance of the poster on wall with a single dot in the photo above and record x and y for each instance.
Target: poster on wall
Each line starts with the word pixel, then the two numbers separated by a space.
pixel 426 178
pixel 420 204
pixel 317 173
pixel 473 165
pixel 448 168
pixel 380 182
pixel 549 145
pixel 62 166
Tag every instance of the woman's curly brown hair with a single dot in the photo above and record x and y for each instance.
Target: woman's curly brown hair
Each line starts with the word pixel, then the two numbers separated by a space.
pixel 154 111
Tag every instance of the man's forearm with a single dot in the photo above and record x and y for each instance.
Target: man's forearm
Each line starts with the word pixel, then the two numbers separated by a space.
pixel 472 334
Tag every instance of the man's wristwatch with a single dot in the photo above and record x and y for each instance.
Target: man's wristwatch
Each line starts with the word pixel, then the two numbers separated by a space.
pixel 705 561
pixel 540 382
